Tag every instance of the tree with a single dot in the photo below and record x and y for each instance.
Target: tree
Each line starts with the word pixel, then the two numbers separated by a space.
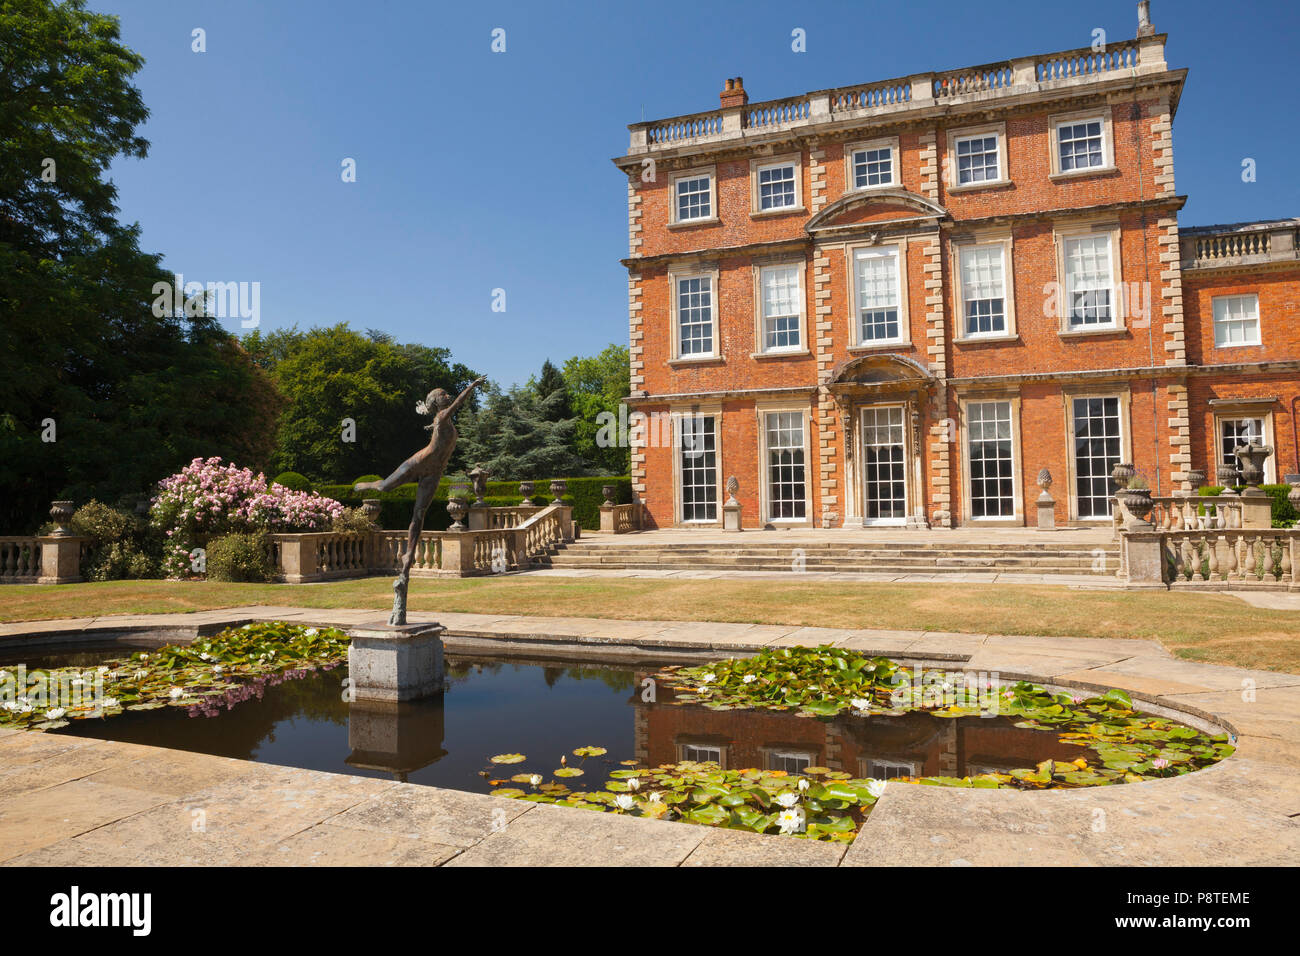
pixel 546 384
pixel 599 384
pixel 515 435
pixel 99 395
pixel 350 398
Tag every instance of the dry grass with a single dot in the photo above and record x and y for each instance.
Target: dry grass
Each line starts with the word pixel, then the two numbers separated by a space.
pixel 1214 628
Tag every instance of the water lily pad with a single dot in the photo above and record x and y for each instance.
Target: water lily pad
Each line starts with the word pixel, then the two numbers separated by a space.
pixel 567 772
pixel 590 752
pixel 508 792
pixel 509 758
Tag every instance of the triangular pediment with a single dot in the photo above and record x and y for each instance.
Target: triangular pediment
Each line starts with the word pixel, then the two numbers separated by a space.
pixel 878 208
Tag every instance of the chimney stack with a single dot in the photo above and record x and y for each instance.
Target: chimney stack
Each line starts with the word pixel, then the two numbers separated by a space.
pixel 734 94
pixel 1145 29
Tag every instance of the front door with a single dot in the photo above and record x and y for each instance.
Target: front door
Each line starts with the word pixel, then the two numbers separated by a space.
pixel 884 465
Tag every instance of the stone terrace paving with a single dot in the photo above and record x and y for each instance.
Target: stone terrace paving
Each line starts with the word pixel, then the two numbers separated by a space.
pixel 71 801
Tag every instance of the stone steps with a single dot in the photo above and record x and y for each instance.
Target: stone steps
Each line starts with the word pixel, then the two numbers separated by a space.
pixel 832 557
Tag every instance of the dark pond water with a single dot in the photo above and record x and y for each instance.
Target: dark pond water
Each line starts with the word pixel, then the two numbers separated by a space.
pixel 545 710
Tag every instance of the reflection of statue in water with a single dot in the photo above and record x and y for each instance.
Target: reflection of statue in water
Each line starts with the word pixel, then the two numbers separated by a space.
pixel 426 467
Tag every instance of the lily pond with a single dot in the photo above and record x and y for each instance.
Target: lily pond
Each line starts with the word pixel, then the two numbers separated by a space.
pixel 796 741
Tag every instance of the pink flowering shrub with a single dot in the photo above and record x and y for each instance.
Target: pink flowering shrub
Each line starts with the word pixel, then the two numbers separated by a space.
pixel 208 497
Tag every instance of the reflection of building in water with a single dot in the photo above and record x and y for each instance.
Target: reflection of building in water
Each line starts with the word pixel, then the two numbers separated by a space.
pixel 397 738
pixel 913 745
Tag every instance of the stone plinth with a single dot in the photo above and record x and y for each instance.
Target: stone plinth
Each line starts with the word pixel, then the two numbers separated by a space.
pixel 60 559
pixel 731 516
pixel 395 663
pixel 396 737
pixel 1256 509
pixel 1046 512
pixel 1144 556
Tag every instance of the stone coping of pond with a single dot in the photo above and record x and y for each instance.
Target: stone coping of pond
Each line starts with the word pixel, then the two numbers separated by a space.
pixel 75 801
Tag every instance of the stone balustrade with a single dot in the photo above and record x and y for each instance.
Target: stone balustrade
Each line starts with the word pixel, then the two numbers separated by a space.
pixel 508 544
pixel 1212 559
pixel 898 97
pixel 620 519
pixel 1244 244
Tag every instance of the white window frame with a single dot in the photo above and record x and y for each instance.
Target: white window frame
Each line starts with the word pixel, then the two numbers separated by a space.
pixel 1218 322
pixel 681 744
pixel 761 350
pixel 909 464
pixel 1072 119
pixel 1259 413
pixel 852 255
pixel 675 277
pixel 1063 236
pixel 764 472
pixel 674 218
pixel 770 754
pixel 1125 443
pixel 756 166
pixel 1017 516
pixel 679 498
pixel 850 164
pixel 957 136
pixel 913 767
pixel 959 250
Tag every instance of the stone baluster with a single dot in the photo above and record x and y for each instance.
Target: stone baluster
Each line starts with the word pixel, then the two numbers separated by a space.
pixel 1212 553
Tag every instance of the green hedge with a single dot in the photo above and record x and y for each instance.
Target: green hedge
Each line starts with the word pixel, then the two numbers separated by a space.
pixel 1284 513
pixel 583 494
pixel 293 481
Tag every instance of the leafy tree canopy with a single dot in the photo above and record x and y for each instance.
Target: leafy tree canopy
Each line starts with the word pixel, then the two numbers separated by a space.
pixel 597 384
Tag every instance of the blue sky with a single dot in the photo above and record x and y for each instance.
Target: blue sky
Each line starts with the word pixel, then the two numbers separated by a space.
pixel 479 170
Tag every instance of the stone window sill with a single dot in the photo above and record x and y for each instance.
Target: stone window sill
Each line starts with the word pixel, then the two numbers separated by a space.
pixel 687 223
pixel 987 339
pixel 696 360
pixel 790 353
pixel 877 346
pixel 1089 333
pixel 972 187
pixel 1084 173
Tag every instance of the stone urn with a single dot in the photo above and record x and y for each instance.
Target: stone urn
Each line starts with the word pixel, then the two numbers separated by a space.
pixel 61 513
pixel 1137 502
pixel 457 508
pixel 558 487
pixel 1228 477
pixel 1195 478
pixel 479 479
pixel 733 486
pixel 1252 458
pixel 1294 496
pixel 527 488
pixel 1121 474
pixel 609 491
pixel 370 507
pixel 1045 480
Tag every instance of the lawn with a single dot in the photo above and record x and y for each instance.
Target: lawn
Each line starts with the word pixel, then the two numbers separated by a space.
pixel 1205 627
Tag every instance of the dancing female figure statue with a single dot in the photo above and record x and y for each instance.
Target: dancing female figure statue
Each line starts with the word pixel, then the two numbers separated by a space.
pixel 426 467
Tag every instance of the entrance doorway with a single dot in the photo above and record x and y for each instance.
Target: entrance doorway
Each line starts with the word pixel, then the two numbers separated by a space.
pixel 884 465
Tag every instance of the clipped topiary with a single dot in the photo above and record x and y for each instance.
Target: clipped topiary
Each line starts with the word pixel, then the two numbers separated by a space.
pixel 293 481
pixel 239 557
pixel 357 481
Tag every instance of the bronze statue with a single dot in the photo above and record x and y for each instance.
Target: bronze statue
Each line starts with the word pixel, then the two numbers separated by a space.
pixel 426 467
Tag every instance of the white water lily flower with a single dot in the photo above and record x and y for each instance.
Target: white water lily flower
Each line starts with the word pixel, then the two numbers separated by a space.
pixel 860 703
pixel 205 657
pixel 803 784
pixel 787 799
pixel 311 632
pixel 875 788
pixel 103 668
pixel 749 678
pixel 624 801
pixel 633 783
pixel 709 678
pixel 790 821
pixel 654 797
pixel 111 701
pixel 175 693
pixel 54 713
pixel 141 675
pixel 535 779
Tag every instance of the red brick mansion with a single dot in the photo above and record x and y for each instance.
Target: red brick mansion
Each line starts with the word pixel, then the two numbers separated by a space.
pixel 896 303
